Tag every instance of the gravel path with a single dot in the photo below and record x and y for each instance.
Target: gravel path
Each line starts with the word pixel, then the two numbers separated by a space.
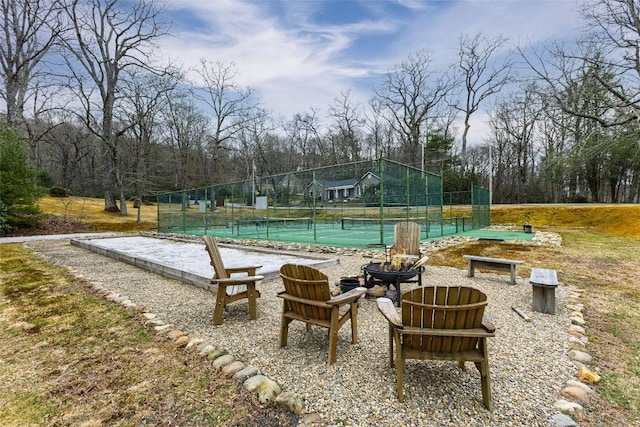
pixel 528 362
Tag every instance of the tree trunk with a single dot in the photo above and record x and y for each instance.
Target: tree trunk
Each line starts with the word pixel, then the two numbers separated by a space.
pixel 108 181
pixel 120 185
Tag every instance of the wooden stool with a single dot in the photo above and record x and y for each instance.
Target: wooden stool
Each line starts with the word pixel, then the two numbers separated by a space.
pixel 544 282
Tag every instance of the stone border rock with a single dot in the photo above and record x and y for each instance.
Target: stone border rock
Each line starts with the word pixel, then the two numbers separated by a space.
pixel 576 394
pixel 266 389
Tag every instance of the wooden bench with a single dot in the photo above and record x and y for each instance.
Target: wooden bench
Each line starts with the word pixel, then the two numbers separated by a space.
pixel 544 283
pixel 486 263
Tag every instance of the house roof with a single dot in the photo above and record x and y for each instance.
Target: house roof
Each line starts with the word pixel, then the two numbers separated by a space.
pixel 341 183
pixel 370 173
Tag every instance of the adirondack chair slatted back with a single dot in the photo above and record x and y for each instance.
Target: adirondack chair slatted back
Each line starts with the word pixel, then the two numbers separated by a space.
pixel 307 283
pixel 216 258
pixel 407 236
pixel 443 307
pixel 230 289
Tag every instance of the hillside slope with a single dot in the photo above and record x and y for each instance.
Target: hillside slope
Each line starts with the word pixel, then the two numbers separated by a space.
pixel 614 220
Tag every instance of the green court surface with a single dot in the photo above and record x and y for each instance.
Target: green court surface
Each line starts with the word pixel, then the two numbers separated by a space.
pixel 333 234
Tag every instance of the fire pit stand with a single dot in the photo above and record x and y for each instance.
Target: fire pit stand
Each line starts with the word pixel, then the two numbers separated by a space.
pixel 377 272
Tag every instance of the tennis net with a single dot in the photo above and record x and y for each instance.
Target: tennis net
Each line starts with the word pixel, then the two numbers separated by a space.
pixel 354 223
pixel 277 223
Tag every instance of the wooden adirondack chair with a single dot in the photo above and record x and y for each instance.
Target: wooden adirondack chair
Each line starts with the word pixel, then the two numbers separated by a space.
pixel 306 298
pixel 440 323
pixel 406 237
pixel 231 289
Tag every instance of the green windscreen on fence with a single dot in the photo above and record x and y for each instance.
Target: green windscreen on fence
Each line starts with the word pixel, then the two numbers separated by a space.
pixel 350 205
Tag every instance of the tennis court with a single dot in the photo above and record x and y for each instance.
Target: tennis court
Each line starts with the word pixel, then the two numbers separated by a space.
pixel 348 205
pixel 346 232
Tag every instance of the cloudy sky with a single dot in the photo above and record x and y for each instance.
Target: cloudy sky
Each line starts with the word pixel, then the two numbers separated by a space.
pixel 299 54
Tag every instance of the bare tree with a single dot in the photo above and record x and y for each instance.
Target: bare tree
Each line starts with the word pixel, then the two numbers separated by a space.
pixel 145 96
pixel 410 94
pixel 232 107
pixel 513 126
pixel 554 131
pixel 481 75
pixel 259 147
pixel 610 49
pixel 260 152
pixel 379 139
pixel 348 121
pixel 66 149
pixel 110 37
pixel 273 155
pixel 618 24
pixel 29 29
pixel 303 132
pixel 186 132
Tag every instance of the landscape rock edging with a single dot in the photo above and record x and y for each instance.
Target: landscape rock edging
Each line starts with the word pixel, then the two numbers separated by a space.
pixel 266 389
pixel 576 394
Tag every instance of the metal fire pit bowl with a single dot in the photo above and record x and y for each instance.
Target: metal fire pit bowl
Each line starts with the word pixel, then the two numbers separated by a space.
pixel 395 278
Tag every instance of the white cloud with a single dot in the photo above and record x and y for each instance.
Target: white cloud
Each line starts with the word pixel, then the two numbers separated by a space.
pixel 291 67
pixel 294 63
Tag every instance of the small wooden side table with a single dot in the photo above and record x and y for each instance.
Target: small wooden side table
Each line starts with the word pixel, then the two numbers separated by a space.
pixel 544 283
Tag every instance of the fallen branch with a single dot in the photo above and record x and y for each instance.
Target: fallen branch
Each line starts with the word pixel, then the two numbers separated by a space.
pixel 521 313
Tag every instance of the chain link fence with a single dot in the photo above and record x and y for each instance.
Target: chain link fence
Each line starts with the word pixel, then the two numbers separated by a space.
pixel 353 204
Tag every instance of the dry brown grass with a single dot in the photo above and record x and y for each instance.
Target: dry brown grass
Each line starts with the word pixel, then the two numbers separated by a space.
pixel 90 212
pixel 614 220
pixel 71 358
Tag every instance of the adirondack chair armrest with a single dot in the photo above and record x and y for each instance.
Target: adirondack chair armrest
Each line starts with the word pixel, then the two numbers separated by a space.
pixel 238 280
pixel 250 270
pixel 487 324
pixel 290 297
pixel 347 297
pixel 468 333
pixel 388 310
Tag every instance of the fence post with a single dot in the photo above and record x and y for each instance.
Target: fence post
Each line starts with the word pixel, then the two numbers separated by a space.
pixel 313 205
pixel 381 197
pixel 426 202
